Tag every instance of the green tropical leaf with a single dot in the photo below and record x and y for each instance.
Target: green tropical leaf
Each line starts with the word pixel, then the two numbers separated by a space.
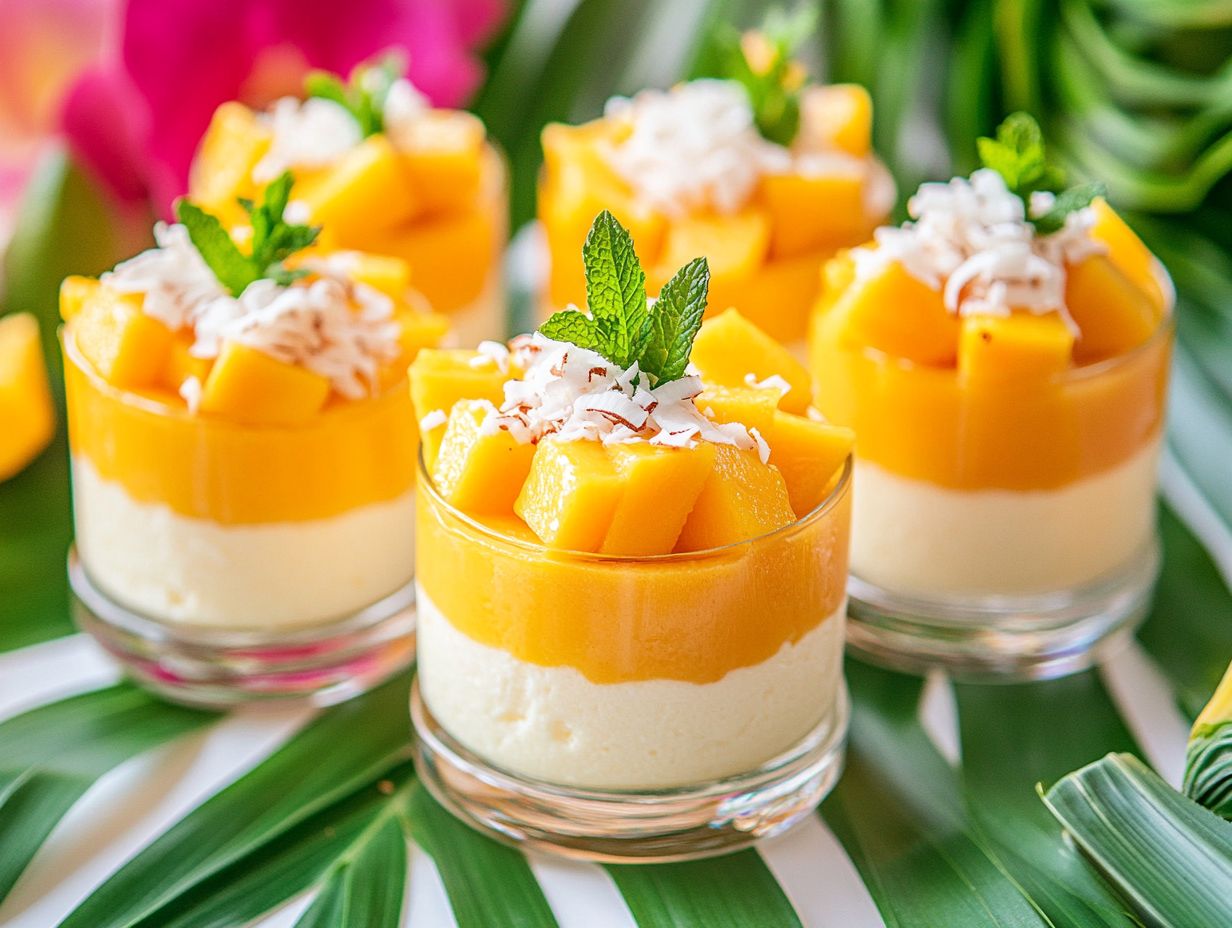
pixel 51 755
pixel 616 290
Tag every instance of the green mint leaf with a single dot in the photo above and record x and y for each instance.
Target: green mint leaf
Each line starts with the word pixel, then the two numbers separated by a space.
pixel 1019 156
pixel 616 291
pixel 364 95
pixel 233 268
pixel 326 86
pixel 273 238
pixel 573 327
pixel 675 319
pixel 1068 201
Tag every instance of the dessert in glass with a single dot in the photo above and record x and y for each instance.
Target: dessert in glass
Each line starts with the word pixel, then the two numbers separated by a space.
pixel 767 191
pixel 1003 359
pixel 382 172
pixel 630 580
pixel 243 461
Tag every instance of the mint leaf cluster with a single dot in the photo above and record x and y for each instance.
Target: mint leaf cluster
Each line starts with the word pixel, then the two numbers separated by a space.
pixel 363 96
pixel 621 324
pixel 1018 154
pixel 273 239
pixel 773 81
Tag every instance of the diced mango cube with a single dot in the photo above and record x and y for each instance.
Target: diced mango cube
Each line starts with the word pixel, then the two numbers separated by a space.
pixel 386 273
pixel 419 330
pixel 729 348
pixel 899 314
pixel 127 347
pixel 1023 347
pixel 27 417
pixel 222 170
pixel 367 190
pixel 450 255
pixel 836 116
pixel 1128 252
pixel 753 407
pixel 75 292
pixel 442 376
pixel 810 212
pixel 733 244
pixel 183 364
pixel 571 494
pixel 480 472
pixel 660 487
pixel 742 499
pixel 778 298
pixel 251 387
pixel 809 454
pixel 1113 314
pixel 444 155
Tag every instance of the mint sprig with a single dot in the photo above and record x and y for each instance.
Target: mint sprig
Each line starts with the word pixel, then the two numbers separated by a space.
pixel 621 325
pixel 273 239
pixel 1019 155
pixel 364 95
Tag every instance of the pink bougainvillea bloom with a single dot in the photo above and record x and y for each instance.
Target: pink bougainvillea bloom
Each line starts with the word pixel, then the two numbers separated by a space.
pixel 137 121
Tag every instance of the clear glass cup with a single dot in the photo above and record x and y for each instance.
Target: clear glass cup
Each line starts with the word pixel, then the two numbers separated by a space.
pixel 629 708
pixel 1003 532
pixel 222 563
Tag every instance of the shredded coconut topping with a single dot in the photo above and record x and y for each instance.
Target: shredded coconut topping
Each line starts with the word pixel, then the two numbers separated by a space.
pixel 433 420
pixel 172 276
pixel 492 353
pixel 971 240
pixel 570 393
pixel 693 146
pixel 773 382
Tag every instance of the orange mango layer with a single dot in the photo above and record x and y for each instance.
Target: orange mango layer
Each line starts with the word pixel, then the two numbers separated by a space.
pixel 349 454
pixel 684 617
pixel 27 416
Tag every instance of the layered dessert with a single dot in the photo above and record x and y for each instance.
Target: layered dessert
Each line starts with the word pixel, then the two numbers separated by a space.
pixel 630 573
pixel 241 432
pixel 383 172
pixel 762 172
pixel 26 409
pixel 1003 359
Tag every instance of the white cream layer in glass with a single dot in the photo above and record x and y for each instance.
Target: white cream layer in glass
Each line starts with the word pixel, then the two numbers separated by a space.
pixel 553 724
pixel 197 572
pixel 912 537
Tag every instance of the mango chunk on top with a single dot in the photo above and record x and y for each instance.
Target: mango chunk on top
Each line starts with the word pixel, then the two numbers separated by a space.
pixel 837 116
pixel 442 376
pixel 444 155
pixel 234 142
pixel 1128 252
pixel 365 191
pixel 1113 314
pixel 753 407
pixel 809 454
pixel 183 364
pixel 480 472
pixel 660 487
pixel 728 348
pixel 810 212
pixel 126 347
pixel 742 499
pixel 1023 347
pixel 734 245
pixel 75 292
pixel 26 409
pixel 248 386
pixel 571 494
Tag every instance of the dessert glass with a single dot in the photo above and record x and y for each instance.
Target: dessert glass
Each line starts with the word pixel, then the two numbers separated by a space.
pixel 998 532
pixel 630 708
pixel 222 562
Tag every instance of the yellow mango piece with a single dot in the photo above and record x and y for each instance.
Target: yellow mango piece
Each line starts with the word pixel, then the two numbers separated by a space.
pixel 778 298
pixel 1113 314
pixel 234 142
pixel 812 212
pixel 128 348
pixel 182 364
pixel 1128 252
pixel 733 244
pixel 367 190
pixel 248 386
pixel 570 495
pixel 449 255
pixel 1022 348
pixel 477 472
pixel 836 116
pixel 742 499
pixel 660 487
pixel 444 156
pixel 728 348
pixel 75 292
pixel 751 407
pixel 27 417
pixel 386 273
pixel 809 454
pixel 442 376
pixel 896 313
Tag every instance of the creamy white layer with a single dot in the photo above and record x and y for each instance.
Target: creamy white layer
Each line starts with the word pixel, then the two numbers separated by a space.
pixel 913 537
pixel 554 724
pixel 197 572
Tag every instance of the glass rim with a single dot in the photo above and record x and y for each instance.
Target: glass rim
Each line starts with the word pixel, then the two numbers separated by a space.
pixel 829 503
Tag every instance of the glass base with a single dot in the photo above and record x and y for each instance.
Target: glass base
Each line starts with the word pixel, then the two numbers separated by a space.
pixel 1001 638
pixel 630 826
pixel 222 667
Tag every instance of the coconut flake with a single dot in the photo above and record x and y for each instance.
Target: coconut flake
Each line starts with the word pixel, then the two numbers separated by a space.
pixel 773 382
pixel 763 449
pixel 491 353
pixel 172 277
pixel 190 392
pixel 308 133
pixel 433 420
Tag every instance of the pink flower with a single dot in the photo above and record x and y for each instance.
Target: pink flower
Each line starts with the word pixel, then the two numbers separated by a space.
pixel 136 120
